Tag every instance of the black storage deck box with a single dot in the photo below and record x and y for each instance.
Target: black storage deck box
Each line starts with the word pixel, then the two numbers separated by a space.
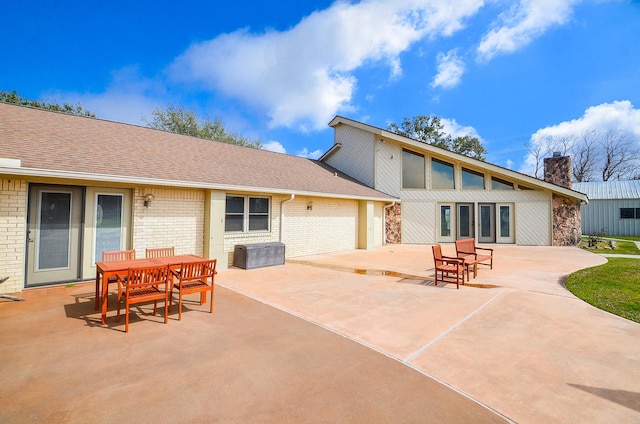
pixel 258 255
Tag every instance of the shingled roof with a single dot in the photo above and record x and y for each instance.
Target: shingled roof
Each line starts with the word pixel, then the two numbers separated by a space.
pixel 66 146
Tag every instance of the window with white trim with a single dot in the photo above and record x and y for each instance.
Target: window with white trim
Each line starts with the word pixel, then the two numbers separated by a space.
pixel 247 214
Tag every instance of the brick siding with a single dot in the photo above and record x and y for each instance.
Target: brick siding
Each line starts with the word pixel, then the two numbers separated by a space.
pixel 174 218
pixel 13 228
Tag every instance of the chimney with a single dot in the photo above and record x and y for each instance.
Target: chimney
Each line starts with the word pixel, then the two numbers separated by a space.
pixel 557 170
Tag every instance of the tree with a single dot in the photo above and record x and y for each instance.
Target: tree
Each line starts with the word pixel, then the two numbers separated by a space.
pixel 584 157
pixel 182 121
pixel 596 155
pixel 15 98
pixel 429 129
pixel 620 156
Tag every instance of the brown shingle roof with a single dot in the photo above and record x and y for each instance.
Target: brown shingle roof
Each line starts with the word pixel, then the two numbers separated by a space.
pixel 51 141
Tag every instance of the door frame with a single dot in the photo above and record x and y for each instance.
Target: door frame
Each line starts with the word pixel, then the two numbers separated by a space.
pixel 73 269
pixel 510 238
pixel 452 223
pixel 91 199
pixel 460 221
pixel 491 237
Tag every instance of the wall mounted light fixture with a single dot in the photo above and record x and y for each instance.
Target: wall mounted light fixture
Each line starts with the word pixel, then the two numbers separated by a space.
pixel 310 206
pixel 148 198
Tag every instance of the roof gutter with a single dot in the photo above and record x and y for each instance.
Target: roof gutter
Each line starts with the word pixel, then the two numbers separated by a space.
pixel 128 180
pixel 331 151
pixel 291 197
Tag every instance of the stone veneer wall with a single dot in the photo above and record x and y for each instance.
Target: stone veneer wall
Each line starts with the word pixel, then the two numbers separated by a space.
pixel 393 224
pixel 557 170
pixel 567 222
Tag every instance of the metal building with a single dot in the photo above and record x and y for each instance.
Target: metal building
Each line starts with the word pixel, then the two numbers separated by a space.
pixel 613 209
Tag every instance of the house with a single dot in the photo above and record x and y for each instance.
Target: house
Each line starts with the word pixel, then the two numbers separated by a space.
pixel 445 196
pixel 613 209
pixel 72 187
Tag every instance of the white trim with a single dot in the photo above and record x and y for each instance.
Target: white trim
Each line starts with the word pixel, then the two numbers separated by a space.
pixel 85 176
pixel 517 177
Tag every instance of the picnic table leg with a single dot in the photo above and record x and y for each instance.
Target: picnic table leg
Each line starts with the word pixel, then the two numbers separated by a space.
pixel 105 290
pixel 97 302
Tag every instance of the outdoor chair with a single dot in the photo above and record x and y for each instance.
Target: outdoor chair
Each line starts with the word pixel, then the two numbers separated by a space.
pixel 118 255
pixel 467 248
pixel 195 277
pixel 143 285
pixel 161 252
pixel 112 256
pixel 451 269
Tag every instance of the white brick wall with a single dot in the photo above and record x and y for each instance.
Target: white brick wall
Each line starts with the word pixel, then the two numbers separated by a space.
pixel 13 223
pixel 175 218
pixel 330 226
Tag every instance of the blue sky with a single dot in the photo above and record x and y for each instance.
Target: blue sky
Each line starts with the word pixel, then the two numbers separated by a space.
pixel 508 72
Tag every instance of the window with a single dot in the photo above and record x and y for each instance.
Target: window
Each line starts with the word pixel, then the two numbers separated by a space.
pixel 498 184
pixel 445 221
pixel 505 221
pixel 637 213
pixel 441 175
pixel 472 180
pixel 626 213
pixel 258 214
pixel 412 170
pixel 245 212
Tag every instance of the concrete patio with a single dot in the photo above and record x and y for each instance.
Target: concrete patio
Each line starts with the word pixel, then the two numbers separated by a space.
pixel 358 336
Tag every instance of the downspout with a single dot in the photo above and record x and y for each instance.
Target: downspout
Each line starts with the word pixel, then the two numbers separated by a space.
pixel 384 222
pixel 291 197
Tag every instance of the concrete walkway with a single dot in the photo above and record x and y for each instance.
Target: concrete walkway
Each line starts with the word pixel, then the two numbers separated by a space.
pixel 246 363
pixel 527 348
pixel 358 336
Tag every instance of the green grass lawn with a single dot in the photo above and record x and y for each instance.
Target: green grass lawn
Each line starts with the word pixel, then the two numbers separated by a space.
pixel 626 238
pixel 613 287
pixel 622 247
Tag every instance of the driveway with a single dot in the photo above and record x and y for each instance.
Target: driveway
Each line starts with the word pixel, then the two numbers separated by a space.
pixel 515 339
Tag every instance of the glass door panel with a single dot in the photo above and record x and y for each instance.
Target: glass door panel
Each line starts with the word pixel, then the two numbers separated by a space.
pixel 487 233
pixel 466 223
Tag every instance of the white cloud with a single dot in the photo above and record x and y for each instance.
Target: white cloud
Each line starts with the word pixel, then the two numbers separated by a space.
pixel 450 70
pixel 303 76
pixel 451 127
pixel 616 116
pixel 274 146
pixel 128 97
pixel 305 153
pixel 522 23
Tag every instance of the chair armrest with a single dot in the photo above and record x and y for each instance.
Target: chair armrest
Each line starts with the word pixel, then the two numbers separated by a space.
pixel 449 259
pixel 484 248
